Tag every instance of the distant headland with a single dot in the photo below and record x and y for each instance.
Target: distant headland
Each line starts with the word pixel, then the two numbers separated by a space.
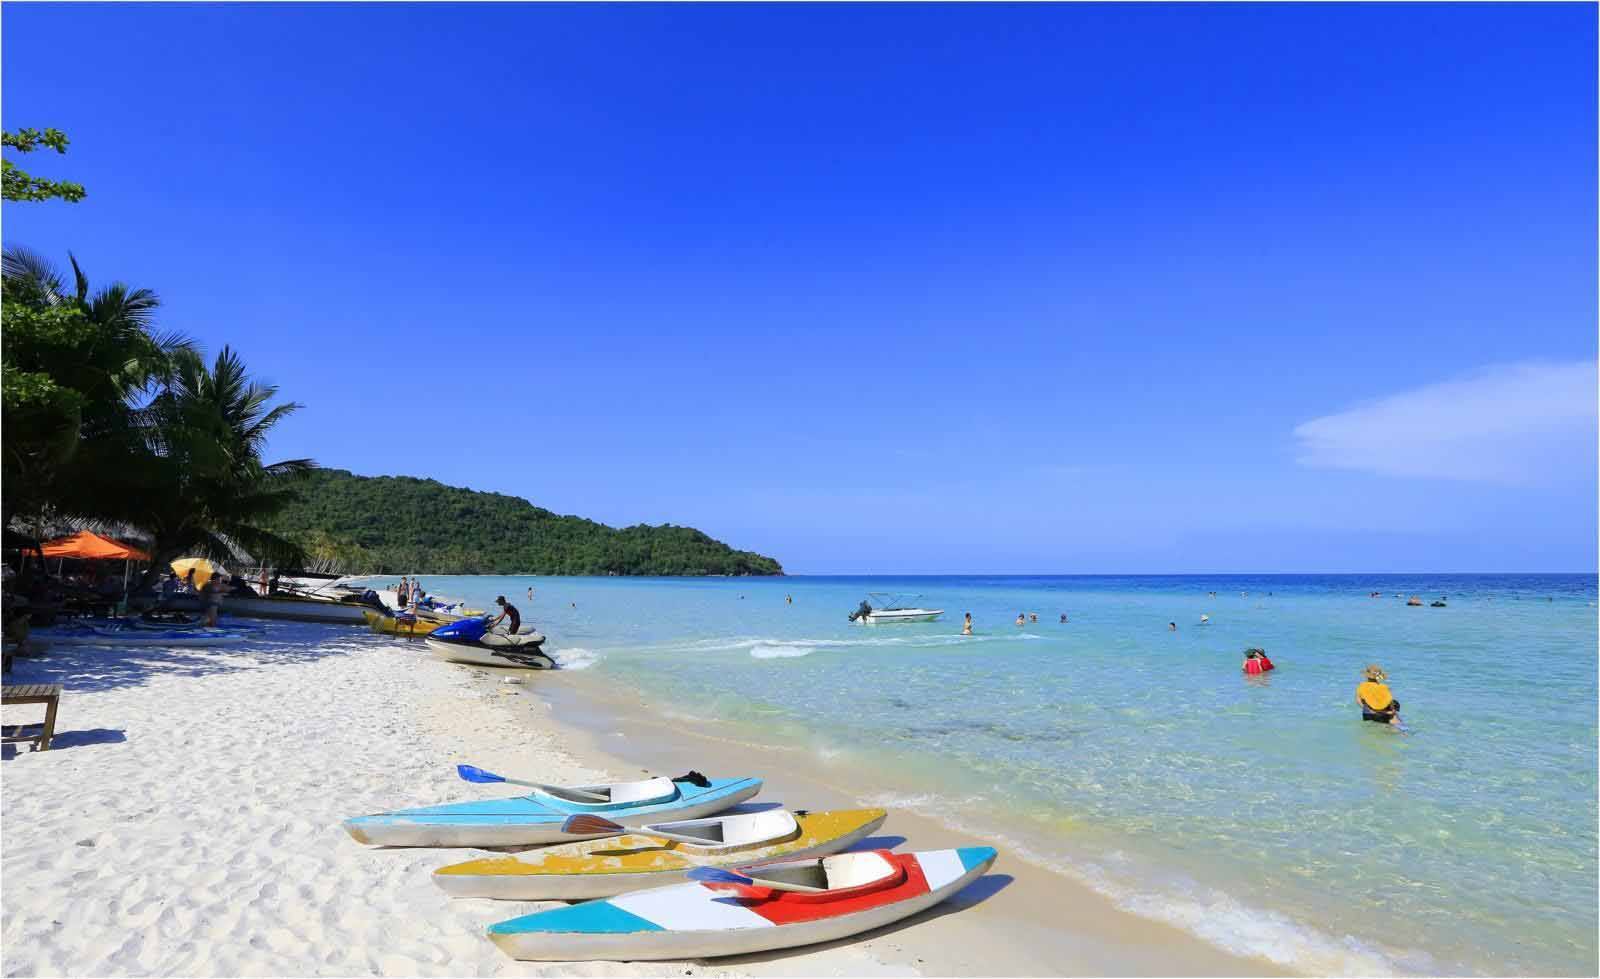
pixel 401 524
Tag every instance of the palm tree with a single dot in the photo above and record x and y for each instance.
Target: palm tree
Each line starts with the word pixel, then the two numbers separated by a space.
pixel 78 365
pixel 206 489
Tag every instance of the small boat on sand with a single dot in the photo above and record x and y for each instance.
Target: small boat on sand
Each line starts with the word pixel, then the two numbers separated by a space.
pixel 540 816
pixel 402 624
pixel 750 909
pixel 298 608
pixel 656 854
pixel 889 608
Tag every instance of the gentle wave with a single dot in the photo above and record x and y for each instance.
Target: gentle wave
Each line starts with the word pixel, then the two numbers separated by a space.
pixel 747 643
pixel 1208 913
pixel 781 651
pixel 575 658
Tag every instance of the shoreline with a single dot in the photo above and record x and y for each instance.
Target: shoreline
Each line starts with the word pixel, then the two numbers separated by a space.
pixel 187 822
pixel 1029 919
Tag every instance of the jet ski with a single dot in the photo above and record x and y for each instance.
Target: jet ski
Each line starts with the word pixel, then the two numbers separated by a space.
pixel 470 641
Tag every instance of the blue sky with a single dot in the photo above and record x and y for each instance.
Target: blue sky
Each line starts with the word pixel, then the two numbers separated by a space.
pixel 882 288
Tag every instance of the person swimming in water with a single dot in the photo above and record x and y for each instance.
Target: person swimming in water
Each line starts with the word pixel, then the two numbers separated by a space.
pixel 1021 620
pixel 1063 618
pixel 1376 700
pixel 1256 662
pixel 1172 627
pixel 966 625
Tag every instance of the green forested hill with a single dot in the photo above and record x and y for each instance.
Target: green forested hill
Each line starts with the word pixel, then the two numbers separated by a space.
pixel 399 524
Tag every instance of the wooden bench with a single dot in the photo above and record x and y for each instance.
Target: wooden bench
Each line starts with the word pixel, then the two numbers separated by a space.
pixel 48 694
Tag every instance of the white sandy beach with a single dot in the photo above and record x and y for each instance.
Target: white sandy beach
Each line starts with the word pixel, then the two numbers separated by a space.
pixel 187 822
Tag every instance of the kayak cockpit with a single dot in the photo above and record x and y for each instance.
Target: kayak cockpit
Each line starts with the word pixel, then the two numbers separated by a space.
pixel 740 831
pixel 649 791
pixel 829 877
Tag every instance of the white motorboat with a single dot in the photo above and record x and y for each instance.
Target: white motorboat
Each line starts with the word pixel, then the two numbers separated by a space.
pixel 283 606
pixel 883 607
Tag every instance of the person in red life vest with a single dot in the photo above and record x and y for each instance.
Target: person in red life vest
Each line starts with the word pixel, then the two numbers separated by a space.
pixel 1256 662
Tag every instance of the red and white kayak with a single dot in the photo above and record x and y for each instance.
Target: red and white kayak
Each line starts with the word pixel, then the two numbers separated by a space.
pixel 779 905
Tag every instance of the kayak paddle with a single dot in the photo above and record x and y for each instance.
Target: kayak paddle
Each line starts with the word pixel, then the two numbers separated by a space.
pixel 716 875
pixel 471 774
pixel 585 824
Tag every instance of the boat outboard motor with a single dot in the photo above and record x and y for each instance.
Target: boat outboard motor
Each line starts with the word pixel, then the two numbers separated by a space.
pixel 862 612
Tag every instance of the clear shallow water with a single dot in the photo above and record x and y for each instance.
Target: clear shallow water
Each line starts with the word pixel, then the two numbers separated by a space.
pixel 1262 814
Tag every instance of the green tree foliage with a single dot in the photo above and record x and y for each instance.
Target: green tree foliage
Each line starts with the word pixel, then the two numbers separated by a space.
pixel 202 487
pixel 21 186
pixel 109 420
pixel 77 367
pixel 398 524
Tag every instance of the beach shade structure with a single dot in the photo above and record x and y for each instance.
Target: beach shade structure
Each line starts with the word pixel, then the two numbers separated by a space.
pixel 86 545
pixel 204 569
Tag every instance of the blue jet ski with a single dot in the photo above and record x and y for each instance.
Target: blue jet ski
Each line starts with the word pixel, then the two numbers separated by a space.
pixel 471 641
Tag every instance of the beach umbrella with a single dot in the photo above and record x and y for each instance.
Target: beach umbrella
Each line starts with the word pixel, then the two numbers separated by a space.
pixel 204 569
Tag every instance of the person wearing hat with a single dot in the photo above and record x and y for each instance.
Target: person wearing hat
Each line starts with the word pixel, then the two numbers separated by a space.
pixel 1377 703
pixel 507 611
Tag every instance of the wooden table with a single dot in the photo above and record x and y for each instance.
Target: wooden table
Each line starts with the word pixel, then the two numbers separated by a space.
pixel 48 694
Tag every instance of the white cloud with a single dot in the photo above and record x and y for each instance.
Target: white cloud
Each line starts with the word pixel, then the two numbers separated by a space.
pixel 1529 423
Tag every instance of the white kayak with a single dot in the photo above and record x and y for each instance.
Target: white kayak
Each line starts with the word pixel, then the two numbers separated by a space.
pixel 765 907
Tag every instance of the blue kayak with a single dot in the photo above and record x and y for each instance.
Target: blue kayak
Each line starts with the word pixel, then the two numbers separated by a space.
pixel 538 817
pixel 131 632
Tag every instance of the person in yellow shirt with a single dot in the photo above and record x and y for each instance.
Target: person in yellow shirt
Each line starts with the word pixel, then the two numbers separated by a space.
pixel 1377 702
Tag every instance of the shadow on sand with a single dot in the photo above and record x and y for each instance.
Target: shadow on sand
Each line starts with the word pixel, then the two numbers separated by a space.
pixel 65 739
pixel 89 669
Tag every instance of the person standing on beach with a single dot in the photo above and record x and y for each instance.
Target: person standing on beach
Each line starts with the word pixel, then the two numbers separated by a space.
pixel 210 595
pixel 966 625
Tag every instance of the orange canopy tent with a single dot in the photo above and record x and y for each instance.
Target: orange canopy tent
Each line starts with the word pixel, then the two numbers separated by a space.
pixel 86 545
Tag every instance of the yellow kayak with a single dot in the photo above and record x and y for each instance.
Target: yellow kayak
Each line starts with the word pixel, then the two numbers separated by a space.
pixel 418 626
pixel 657 854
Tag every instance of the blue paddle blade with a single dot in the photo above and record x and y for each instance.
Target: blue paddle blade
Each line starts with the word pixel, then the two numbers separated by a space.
pixel 716 875
pixel 472 774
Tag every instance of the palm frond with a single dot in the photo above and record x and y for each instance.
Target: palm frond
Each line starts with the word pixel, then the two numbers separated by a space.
pixel 27 271
pixel 119 306
pixel 79 279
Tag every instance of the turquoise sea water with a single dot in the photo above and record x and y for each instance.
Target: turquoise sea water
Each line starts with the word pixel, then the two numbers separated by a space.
pixel 1259 813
